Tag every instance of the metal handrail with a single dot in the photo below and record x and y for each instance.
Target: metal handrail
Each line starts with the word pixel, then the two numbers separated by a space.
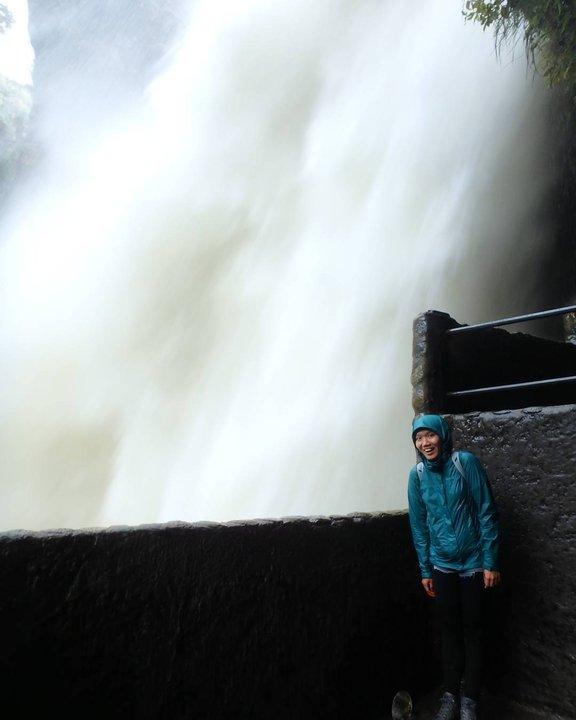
pixel 513 386
pixel 513 320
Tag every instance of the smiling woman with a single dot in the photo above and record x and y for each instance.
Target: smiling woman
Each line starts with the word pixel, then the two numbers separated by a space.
pixel 428 443
pixel 455 530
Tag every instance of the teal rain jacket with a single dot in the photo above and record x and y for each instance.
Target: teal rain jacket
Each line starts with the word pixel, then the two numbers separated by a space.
pixel 454 520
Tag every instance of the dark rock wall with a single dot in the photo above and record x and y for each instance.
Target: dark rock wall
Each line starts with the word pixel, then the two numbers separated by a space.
pixel 287 619
pixel 531 460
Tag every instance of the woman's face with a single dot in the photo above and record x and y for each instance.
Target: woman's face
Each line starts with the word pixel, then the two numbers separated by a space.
pixel 428 443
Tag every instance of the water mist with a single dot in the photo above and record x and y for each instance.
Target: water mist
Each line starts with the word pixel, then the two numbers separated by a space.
pixel 207 304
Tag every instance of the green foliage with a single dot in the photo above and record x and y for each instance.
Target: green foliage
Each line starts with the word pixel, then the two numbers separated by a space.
pixel 6 18
pixel 548 28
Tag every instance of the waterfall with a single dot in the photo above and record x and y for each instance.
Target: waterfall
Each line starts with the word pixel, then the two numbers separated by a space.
pixel 207 302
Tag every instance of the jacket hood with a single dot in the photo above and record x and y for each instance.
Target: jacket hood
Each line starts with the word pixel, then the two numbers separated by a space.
pixel 437 424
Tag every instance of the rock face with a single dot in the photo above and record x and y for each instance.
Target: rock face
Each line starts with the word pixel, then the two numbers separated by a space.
pixel 317 618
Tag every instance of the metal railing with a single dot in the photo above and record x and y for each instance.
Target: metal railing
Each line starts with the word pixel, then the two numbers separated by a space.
pixel 512 321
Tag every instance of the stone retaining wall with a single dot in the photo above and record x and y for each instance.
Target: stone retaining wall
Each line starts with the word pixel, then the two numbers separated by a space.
pixel 272 620
pixel 530 455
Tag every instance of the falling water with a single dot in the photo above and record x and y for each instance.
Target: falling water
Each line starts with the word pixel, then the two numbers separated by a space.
pixel 208 305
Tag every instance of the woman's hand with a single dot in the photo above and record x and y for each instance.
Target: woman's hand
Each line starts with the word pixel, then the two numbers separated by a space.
pixel 491 578
pixel 428 585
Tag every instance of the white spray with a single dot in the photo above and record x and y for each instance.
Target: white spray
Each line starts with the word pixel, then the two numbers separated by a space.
pixel 207 312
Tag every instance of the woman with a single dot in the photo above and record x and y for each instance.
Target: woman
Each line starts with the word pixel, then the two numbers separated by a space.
pixel 455 531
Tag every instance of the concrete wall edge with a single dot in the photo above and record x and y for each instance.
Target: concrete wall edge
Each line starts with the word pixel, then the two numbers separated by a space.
pixel 354 517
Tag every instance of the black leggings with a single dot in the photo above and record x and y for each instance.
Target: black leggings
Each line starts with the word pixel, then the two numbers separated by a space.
pixel 460 607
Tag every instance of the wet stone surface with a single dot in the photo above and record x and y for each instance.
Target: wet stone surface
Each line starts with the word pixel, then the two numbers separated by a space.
pixel 271 620
pixel 530 456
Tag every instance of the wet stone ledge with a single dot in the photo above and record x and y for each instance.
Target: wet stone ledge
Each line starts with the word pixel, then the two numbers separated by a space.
pixel 291 618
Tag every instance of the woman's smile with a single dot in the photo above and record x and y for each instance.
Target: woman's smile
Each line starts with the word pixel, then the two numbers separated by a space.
pixel 428 443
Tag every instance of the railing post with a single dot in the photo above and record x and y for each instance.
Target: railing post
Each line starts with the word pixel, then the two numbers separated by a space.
pixel 428 361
